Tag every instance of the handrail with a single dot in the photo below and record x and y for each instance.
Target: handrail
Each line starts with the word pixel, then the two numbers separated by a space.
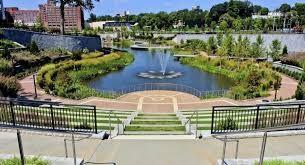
pixel 189 121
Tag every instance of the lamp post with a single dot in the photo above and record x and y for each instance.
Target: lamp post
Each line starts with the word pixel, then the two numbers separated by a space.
pixel 35 88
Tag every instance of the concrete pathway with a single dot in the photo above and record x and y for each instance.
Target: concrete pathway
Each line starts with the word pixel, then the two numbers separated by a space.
pixel 152 152
pixel 158 101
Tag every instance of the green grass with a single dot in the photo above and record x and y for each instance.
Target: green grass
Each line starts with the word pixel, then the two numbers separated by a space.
pixel 29 161
pixel 145 128
pixel 282 162
pixel 155 122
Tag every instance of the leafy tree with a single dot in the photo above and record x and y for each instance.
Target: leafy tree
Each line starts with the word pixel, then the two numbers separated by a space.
pixel 223 26
pixel 228 44
pixel 277 85
pixel 264 11
pixel 211 45
pixel 258 49
pixel 285 50
pixel 33 48
pixel 275 49
pixel 86 4
pixel 285 8
pixel 258 24
pixel 237 24
pixel 219 38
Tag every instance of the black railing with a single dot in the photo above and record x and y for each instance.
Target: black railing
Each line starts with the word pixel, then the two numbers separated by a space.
pixel 61 117
pixel 227 119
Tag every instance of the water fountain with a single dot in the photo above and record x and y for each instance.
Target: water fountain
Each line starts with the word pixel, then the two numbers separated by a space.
pixel 162 74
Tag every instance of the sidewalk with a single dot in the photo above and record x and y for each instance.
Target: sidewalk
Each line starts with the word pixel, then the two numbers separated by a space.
pixel 152 152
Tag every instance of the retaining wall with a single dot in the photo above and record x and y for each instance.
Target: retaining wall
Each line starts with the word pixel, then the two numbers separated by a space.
pixel 294 42
pixel 47 41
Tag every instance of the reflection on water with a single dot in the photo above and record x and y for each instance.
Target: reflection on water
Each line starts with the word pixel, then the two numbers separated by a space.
pixel 148 61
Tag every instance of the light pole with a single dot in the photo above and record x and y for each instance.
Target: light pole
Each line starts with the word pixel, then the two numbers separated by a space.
pixel 34 80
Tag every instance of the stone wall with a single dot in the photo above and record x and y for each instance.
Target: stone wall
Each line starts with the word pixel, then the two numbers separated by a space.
pixel 294 42
pixel 47 41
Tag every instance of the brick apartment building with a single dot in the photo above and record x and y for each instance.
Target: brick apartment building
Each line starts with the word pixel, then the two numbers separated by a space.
pixel 27 17
pixel 50 16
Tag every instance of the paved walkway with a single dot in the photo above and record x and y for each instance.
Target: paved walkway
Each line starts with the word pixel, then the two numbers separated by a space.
pixel 151 152
pixel 158 101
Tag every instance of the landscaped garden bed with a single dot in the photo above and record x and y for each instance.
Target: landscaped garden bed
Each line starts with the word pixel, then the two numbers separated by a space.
pixel 67 79
pixel 4 43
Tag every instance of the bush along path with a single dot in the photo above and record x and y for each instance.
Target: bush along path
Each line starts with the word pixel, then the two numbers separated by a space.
pixel 155 124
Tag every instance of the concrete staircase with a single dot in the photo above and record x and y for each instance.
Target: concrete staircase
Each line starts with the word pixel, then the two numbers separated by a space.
pixel 155 124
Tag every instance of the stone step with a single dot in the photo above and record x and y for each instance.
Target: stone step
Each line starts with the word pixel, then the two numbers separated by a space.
pixel 154 133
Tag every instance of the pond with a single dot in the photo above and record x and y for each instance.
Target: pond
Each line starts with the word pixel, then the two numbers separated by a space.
pixel 149 62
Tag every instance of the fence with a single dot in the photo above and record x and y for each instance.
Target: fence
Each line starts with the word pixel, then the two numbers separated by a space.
pixel 165 86
pixel 227 119
pixel 44 115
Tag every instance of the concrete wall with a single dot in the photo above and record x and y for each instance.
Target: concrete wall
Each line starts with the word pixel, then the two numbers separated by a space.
pixel 47 41
pixel 294 42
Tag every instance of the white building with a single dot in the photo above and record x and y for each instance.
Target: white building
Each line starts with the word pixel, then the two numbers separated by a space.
pixel 111 24
pixel 269 15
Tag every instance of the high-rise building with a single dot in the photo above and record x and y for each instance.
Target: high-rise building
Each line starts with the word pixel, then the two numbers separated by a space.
pixel 27 17
pixel 51 18
pixel 2 12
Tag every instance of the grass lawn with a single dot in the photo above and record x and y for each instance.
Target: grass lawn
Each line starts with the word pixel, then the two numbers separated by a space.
pixel 29 161
pixel 282 162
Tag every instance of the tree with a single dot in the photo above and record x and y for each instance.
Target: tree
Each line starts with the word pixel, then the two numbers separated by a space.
pixel 285 50
pixel 258 49
pixel 237 24
pixel 228 44
pixel 285 8
pixel 275 49
pixel 211 45
pixel 219 38
pixel 264 11
pixel 223 26
pixel 258 24
pixel 33 48
pixel 277 85
pixel 86 4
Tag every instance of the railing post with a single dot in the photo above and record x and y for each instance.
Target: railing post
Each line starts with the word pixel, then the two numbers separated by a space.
pixel 212 123
pixel 196 124
pixel 95 120
pixel 20 148
pixel 237 148
pixel 257 115
pixel 299 112
pixel 66 150
pixel 73 148
pixel 52 117
pixel 262 154
pixel 13 113
pixel 224 150
pixel 110 124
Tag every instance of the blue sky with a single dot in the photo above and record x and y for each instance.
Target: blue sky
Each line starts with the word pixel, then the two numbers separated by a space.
pixel 137 6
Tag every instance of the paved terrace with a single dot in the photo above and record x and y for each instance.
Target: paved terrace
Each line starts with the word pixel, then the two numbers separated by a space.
pixel 151 152
pixel 158 101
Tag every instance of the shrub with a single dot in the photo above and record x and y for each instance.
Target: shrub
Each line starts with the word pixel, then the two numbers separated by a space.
pixel 29 161
pixel 9 86
pixel 6 67
pixel 6 54
pixel 76 55
pixel 300 92
pixel 33 48
pixel 227 124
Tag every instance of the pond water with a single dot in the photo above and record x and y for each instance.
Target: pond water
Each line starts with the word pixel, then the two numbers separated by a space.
pixel 149 61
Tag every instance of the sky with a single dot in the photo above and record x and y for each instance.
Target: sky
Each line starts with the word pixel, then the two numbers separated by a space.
pixel 112 7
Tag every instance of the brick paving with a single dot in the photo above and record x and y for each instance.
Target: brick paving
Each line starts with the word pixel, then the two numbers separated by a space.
pixel 158 101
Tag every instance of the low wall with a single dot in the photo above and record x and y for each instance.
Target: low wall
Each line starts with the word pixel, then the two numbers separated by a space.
pixel 294 42
pixel 47 41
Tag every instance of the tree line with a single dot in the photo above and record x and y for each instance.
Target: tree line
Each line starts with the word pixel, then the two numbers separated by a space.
pixel 236 15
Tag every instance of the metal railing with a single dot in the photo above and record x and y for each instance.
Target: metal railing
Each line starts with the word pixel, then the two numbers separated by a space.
pixel 226 138
pixel 163 86
pixel 42 115
pixel 226 119
pixel 189 123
